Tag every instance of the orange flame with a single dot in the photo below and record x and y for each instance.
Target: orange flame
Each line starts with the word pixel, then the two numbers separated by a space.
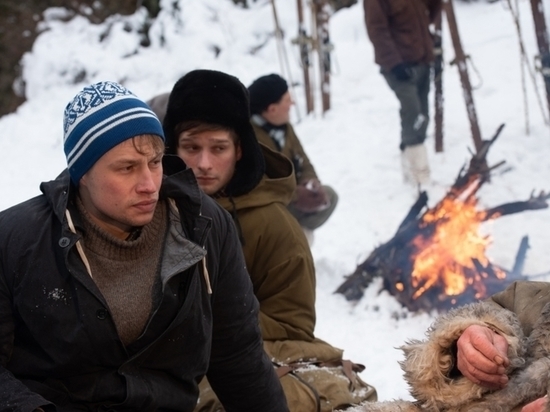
pixel 445 257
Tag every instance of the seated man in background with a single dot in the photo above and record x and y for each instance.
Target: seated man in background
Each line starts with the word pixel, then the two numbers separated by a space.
pixel 122 284
pixel 207 125
pixel 270 103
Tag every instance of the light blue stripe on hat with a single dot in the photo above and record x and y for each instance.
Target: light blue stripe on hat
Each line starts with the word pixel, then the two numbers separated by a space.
pixel 103 127
pixel 99 118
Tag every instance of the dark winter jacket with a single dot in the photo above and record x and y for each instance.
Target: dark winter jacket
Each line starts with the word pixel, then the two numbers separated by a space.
pixel 59 344
pixel 277 254
pixel 399 30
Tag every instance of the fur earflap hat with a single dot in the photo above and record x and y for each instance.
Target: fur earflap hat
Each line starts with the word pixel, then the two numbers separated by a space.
pixel 266 90
pixel 100 117
pixel 217 98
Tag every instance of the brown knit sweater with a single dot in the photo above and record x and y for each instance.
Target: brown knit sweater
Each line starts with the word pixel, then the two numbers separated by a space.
pixel 127 272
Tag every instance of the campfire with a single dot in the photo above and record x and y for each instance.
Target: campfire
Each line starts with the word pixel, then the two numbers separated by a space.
pixel 437 259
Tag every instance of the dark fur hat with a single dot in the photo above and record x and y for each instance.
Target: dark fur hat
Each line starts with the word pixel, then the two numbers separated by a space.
pixel 214 97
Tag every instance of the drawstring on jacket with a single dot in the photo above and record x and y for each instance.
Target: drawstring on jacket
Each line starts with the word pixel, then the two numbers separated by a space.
pixel 78 244
pixel 87 263
pixel 206 276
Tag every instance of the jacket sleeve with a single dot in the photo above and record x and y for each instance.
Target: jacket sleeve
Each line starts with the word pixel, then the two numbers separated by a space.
pixel 287 303
pixel 434 9
pixel 428 363
pixel 13 391
pixel 305 171
pixel 526 299
pixel 378 30
pixel 240 372
pixel 282 272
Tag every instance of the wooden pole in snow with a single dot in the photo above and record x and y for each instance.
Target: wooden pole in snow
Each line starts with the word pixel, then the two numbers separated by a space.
pixel 460 61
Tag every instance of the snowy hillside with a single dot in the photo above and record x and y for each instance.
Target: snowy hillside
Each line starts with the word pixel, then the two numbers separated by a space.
pixel 354 147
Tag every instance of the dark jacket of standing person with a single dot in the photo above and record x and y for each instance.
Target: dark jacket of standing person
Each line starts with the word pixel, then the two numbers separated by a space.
pixel 60 342
pixel 399 32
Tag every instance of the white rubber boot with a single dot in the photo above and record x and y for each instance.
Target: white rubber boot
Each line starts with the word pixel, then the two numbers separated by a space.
pixel 416 159
pixel 309 235
pixel 406 170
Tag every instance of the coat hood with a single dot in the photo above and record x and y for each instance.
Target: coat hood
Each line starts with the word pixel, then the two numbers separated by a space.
pixel 277 184
pixel 214 97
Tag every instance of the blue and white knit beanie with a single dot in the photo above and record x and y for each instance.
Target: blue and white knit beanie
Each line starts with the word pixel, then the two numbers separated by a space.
pixel 100 117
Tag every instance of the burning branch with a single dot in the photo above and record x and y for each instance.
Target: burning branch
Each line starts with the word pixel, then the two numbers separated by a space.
pixel 436 259
pixel 533 203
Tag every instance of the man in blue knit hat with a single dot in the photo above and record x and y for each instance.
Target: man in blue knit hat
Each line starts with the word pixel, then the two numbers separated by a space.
pixel 122 284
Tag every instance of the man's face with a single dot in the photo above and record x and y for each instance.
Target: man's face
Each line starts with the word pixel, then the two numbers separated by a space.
pixel 212 155
pixel 121 190
pixel 278 113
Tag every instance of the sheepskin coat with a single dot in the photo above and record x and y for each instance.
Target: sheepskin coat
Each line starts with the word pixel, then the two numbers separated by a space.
pixel 521 314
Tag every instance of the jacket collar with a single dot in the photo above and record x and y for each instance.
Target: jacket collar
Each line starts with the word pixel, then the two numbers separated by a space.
pixel 58 192
pixel 179 184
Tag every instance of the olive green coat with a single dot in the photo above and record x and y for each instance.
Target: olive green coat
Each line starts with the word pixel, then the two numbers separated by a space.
pixel 526 300
pixel 292 149
pixel 277 254
pixel 280 265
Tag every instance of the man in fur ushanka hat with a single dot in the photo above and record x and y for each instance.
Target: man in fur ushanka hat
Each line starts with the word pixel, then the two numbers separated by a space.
pixel 207 97
pixel 207 125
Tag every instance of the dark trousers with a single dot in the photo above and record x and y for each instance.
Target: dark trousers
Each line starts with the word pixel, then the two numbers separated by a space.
pixel 413 98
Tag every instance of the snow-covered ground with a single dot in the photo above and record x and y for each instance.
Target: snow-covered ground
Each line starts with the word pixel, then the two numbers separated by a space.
pixel 354 146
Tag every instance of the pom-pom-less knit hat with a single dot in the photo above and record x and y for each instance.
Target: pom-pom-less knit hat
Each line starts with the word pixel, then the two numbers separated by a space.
pixel 100 117
pixel 266 90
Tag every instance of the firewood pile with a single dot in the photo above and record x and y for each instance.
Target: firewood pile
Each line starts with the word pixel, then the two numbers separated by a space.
pixel 436 259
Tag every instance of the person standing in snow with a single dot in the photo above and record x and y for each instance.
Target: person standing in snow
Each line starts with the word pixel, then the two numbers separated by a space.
pixel 207 124
pixel 122 284
pixel 270 103
pixel 403 48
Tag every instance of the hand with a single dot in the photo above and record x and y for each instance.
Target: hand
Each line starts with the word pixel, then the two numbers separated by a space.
pixel 481 356
pixel 310 197
pixel 536 406
pixel 403 71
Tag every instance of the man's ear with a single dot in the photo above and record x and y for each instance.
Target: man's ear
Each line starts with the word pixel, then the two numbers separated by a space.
pixel 268 110
pixel 83 181
pixel 238 151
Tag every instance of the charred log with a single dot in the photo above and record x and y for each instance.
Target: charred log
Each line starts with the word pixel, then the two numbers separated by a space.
pixel 534 203
pixel 517 270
